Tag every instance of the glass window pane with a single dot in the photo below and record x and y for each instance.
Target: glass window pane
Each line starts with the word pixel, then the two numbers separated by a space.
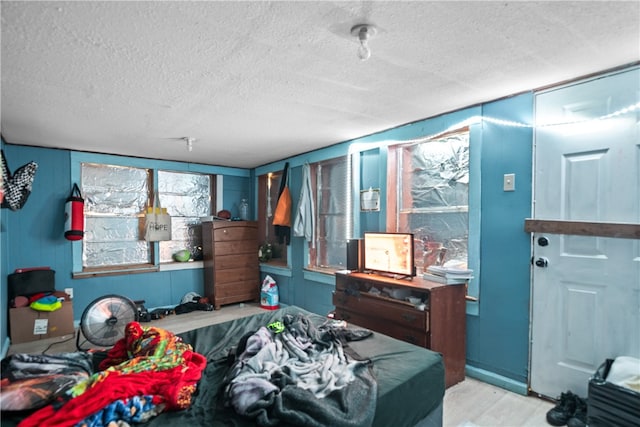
pixel 115 198
pixel 434 200
pixel 332 190
pixel 187 198
pixel 438 173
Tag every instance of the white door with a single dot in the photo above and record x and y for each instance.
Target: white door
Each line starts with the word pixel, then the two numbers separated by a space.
pixel 586 297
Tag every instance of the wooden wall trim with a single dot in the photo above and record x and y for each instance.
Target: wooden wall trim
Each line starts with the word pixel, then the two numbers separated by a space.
pixel 583 228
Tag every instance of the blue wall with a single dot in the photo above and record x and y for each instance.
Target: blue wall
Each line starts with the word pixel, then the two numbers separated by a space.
pixel 33 235
pixel 497 325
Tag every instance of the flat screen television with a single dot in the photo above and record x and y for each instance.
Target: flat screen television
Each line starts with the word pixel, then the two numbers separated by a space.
pixel 390 253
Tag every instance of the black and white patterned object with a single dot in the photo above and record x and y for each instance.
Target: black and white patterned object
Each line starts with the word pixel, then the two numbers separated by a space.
pixel 17 187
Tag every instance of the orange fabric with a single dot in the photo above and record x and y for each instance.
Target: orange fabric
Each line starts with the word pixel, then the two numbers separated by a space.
pixel 282 215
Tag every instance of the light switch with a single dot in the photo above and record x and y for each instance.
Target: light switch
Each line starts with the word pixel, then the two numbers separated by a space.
pixel 509 182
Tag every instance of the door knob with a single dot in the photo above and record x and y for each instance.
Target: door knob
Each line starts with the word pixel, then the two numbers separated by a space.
pixel 543 241
pixel 542 262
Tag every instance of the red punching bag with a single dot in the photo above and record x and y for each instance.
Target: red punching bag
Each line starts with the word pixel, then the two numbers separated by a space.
pixel 74 215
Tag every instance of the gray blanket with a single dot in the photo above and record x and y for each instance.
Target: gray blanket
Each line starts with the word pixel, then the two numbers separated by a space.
pixel 293 373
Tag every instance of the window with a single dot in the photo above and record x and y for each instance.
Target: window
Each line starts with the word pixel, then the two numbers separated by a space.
pixel 116 198
pixel 330 179
pixel 429 183
pixel 187 197
pixel 268 191
pixel 331 190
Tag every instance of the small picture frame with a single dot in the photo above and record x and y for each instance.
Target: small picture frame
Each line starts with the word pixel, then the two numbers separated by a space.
pixel 370 200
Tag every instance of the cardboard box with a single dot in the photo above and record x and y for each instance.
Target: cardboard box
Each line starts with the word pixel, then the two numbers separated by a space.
pixel 27 324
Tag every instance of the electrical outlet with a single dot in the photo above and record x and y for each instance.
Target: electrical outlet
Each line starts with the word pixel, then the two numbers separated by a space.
pixel 69 291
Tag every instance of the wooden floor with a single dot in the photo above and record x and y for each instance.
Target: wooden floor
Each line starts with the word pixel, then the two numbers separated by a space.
pixel 475 403
pixel 467 404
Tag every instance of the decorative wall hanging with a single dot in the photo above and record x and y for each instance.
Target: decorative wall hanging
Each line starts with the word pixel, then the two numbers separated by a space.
pixel 370 200
pixel 17 187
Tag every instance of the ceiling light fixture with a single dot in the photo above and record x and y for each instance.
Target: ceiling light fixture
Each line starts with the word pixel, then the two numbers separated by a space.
pixel 364 32
pixel 189 140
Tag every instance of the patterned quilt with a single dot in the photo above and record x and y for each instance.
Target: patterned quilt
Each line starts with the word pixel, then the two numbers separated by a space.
pixel 147 372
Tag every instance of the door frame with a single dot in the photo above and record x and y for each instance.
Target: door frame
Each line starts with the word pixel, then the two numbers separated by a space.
pixel 563 227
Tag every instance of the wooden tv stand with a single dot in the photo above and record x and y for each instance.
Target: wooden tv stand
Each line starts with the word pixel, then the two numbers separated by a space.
pixel 440 327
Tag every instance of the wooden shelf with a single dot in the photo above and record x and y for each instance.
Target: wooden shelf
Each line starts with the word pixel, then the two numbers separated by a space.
pixel 583 228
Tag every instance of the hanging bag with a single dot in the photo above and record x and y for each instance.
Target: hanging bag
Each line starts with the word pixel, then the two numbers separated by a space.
pixel 74 215
pixel 158 223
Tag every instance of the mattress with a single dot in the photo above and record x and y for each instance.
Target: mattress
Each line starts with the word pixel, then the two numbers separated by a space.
pixel 410 379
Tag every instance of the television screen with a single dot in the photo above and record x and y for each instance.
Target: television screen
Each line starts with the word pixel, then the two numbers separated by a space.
pixel 389 253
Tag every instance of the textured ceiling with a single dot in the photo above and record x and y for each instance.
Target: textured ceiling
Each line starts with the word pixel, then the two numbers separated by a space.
pixel 255 82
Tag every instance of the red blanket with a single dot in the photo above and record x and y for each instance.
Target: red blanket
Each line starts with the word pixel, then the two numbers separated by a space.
pixel 147 361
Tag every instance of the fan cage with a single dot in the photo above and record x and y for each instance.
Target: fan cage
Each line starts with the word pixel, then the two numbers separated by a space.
pixel 103 321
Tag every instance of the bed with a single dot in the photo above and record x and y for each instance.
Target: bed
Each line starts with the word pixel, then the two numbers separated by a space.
pixel 408 380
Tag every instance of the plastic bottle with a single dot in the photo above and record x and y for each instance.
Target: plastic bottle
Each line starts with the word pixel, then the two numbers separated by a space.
pixel 244 210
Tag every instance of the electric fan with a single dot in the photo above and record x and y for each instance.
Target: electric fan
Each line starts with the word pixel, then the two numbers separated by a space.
pixel 103 321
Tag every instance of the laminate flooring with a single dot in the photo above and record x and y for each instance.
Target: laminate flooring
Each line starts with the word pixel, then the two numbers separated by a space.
pixel 471 403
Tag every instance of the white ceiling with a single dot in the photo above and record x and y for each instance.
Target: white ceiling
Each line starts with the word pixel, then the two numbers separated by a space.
pixel 255 82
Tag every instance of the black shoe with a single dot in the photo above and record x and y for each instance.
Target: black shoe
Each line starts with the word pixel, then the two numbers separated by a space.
pixel 564 409
pixel 579 418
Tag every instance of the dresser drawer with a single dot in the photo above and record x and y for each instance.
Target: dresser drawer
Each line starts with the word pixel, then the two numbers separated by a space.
pixel 232 247
pixel 244 289
pixel 243 261
pixel 229 293
pixel 394 330
pixel 405 315
pixel 237 275
pixel 234 233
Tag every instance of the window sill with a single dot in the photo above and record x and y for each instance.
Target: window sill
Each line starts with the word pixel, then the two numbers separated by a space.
pixel 114 271
pixel 189 265
pixel 168 266
pixel 276 268
pixel 320 275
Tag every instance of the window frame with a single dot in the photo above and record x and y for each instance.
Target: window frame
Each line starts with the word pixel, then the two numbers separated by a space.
pixel 474 203
pixel 266 230
pixel 76 160
pixel 398 215
pixel 347 213
pixel 212 203
pixel 152 249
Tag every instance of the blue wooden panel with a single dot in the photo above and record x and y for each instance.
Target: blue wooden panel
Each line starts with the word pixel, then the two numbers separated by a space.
pixel 34 235
pixel 235 189
pixel 505 247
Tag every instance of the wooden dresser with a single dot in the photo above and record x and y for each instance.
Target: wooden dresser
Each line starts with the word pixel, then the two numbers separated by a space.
pixel 231 268
pixel 441 326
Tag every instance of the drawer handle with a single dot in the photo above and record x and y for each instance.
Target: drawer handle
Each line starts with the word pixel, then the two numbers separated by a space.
pixel 409 317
